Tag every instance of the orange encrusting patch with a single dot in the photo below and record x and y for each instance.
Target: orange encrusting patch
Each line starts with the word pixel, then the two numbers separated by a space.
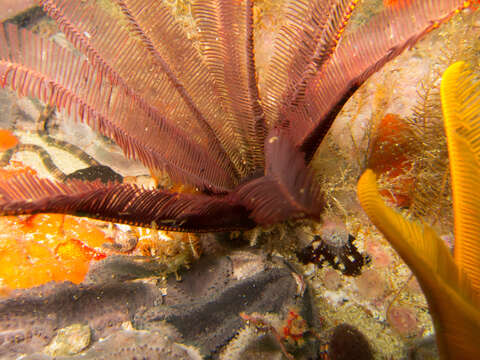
pixel 47 247
pixel 390 156
pixel 40 248
pixel 396 3
pixel 473 4
pixel 7 140
pixel 15 168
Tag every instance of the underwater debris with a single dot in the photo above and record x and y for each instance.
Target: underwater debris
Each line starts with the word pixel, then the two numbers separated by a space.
pixel 450 283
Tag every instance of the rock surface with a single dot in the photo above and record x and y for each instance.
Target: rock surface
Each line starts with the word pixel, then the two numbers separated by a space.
pixel 201 311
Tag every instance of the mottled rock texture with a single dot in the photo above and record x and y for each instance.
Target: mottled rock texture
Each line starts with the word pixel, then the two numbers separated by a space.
pixel 201 311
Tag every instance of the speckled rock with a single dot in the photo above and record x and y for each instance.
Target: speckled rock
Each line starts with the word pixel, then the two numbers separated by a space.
pixel 29 319
pixel 201 312
pixel 134 344
pixel 204 306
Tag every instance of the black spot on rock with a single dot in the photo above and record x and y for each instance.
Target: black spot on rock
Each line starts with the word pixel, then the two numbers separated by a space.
pixel 100 172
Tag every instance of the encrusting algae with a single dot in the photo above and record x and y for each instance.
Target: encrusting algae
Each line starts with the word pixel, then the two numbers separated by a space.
pixel 32 256
pixel 46 247
pixel 451 283
pixel 393 3
pixel 390 156
pixel 37 249
pixel 7 140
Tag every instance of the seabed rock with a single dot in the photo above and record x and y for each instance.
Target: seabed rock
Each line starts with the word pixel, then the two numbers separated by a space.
pixel 196 317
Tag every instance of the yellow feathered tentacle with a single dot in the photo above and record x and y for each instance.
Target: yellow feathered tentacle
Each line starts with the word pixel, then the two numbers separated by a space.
pixel 452 301
pixel 450 284
pixel 461 110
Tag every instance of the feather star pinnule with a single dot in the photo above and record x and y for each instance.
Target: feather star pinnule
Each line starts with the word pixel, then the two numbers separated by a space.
pixel 198 114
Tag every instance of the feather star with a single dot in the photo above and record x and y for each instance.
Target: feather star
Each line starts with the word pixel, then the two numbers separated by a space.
pixel 199 113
